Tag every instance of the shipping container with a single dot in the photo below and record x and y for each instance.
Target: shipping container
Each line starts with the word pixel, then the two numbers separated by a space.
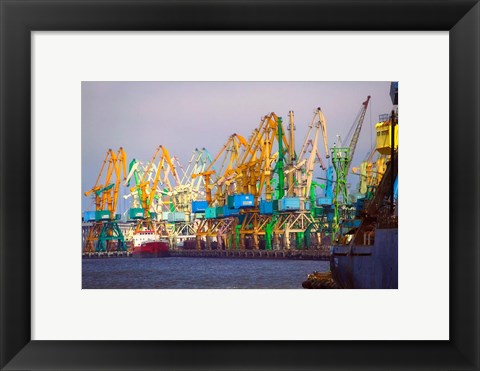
pixel 88 216
pixel 220 211
pixel 176 217
pixel 318 212
pixel 102 215
pixel 266 207
pixel 199 206
pixel 240 201
pixel 230 212
pixel 324 201
pixel 165 215
pixel 153 215
pixel 136 213
pixel 289 204
pixel 210 212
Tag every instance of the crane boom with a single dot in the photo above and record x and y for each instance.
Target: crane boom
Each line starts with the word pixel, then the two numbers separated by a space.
pixel 358 127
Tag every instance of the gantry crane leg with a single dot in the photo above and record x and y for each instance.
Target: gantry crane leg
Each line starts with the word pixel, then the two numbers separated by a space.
pixel 286 240
pixel 200 232
pixel 92 237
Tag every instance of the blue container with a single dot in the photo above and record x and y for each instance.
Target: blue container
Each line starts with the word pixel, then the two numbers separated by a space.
pixel 230 212
pixel 307 205
pixel 199 206
pixel 289 204
pixel 324 201
pixel 88 216
pixel 266 207
pixel 210 212
pixel 240 201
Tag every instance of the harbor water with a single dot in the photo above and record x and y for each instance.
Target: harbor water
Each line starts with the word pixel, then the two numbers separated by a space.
pixel 197 273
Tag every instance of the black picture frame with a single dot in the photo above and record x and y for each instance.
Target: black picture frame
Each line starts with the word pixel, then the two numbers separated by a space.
pixel 18 18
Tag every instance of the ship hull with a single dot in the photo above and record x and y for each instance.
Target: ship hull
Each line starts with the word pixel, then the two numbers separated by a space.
pixel 157 249
pixel 367 267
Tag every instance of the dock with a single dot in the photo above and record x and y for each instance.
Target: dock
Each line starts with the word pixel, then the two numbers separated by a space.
pixel 317 254
pixel 320 254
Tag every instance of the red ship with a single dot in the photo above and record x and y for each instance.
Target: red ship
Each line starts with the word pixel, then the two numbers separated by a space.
pixel 147 245
pixel 153 249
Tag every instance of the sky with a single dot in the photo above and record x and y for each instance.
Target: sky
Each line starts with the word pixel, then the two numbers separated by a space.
pixel 182 116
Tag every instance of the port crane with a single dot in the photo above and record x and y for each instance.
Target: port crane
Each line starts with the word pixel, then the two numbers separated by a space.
pixel 255 175
pixel 299 173
pixel 229 153
pixel 341 159
pixel 136 169
pixel 370 172
pixel 305 166
pixel 105 235
pixel 149 188
pixel 191 188
pixel 218 181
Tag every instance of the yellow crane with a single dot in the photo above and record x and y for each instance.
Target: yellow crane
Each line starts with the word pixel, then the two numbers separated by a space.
pixel 231 152
pixel 255 170
pixel 183 222
pixel 105 231
pixel 149 189
pixel 255 174
pixel 217 182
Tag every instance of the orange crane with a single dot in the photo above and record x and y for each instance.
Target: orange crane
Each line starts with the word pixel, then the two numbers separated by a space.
pixel 254 170
pixel 218 182
pixel 105 231
pixel 255 174
pixel 231 152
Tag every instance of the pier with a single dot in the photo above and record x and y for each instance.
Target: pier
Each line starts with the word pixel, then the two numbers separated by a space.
pixel 318 254
pixel 323 254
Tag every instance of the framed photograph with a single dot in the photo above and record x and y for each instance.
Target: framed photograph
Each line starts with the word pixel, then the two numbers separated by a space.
pixel 102 103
